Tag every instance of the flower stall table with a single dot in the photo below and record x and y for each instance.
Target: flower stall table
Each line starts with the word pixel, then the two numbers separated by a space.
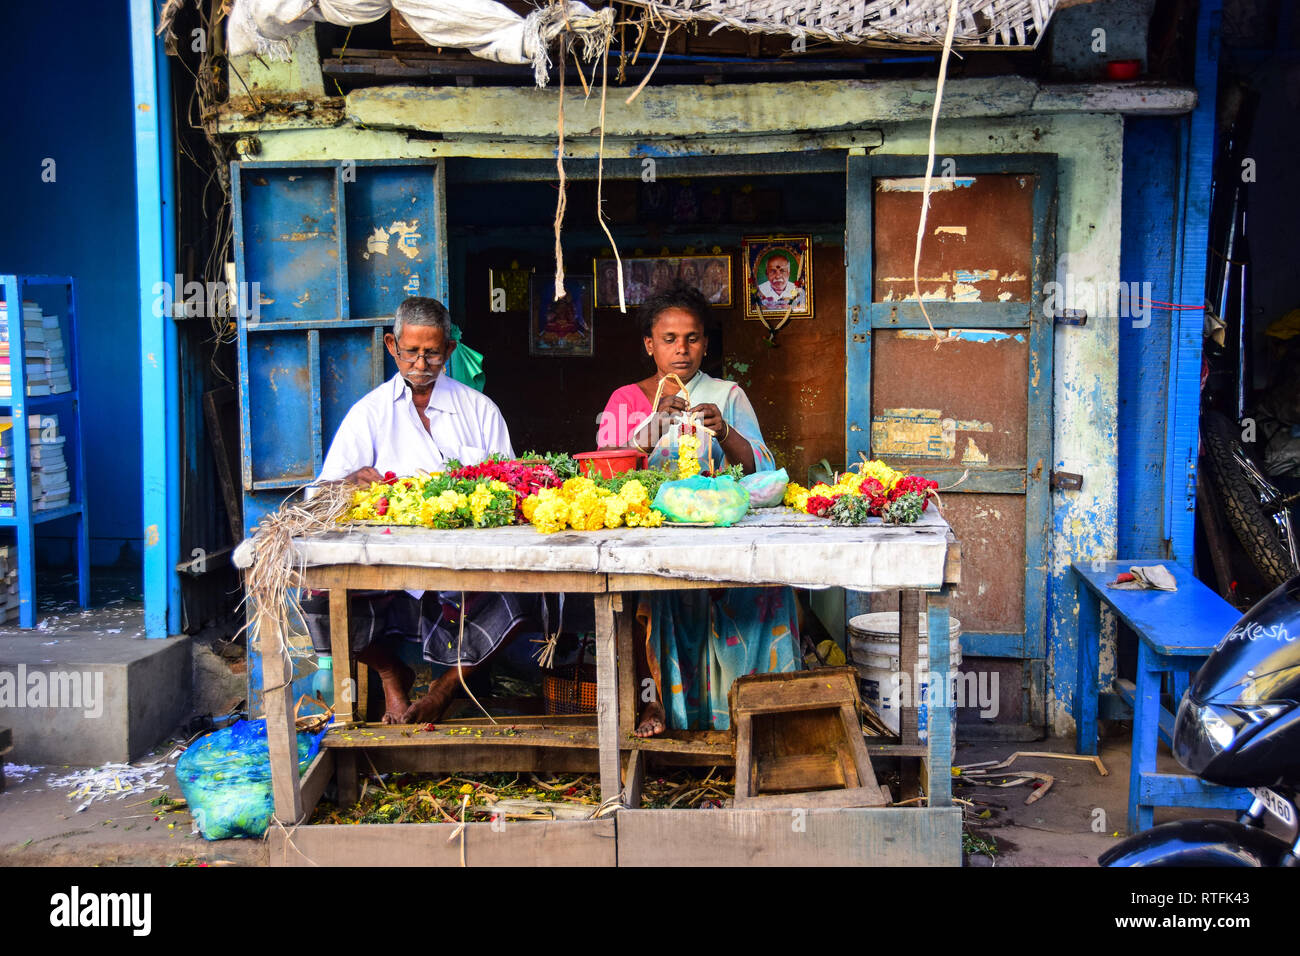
pixel 777 547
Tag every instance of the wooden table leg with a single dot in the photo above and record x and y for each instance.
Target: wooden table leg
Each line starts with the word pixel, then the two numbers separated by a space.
pixel 345 775
pixel 633 779
pixel 626 648
pixel 362 703
pixel 1146 730
pixel 1178 685
pixel 607 723
pixel 940 714
pixel 281 733
pixel 341 652
pixel 909 616
pixel 909 609
pixel 1086 677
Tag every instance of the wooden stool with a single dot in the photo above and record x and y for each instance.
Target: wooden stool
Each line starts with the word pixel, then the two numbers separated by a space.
pixel 799 742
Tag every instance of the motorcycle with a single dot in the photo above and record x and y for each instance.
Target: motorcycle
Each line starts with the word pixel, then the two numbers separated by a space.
pixel 1238 725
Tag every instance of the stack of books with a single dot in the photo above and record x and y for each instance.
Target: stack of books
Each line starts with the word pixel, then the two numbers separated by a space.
pixel 50 487
pixel 38 381
pixel 6 467
pixel 56 357
pixel 33 324
pixel 8 584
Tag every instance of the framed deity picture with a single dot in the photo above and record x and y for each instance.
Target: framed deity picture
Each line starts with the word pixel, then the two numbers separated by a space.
pixel 778 276
pixel 563 327
pixel 644 277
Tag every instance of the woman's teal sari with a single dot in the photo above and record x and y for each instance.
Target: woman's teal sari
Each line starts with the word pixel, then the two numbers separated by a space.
pixel 698 642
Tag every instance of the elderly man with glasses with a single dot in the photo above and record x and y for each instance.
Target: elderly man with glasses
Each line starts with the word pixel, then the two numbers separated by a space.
pixel 417 421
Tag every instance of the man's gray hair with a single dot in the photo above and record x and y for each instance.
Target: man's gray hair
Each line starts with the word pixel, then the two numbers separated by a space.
pixel 419 310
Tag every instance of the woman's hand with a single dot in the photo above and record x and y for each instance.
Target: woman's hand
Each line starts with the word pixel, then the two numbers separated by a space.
pixel 710 416
pixel 671 405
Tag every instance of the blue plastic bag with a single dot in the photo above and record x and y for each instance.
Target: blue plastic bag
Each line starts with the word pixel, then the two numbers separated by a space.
pixel 766 488
pixel 226 779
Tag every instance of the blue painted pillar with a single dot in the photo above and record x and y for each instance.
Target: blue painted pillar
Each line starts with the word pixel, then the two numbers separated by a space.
pixel 1185 338
pixel 1149 250
pixel 158 363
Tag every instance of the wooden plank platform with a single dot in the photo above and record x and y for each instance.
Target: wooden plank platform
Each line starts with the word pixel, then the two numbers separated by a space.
pixel 518 843
pixel 886 836
pixel 854 837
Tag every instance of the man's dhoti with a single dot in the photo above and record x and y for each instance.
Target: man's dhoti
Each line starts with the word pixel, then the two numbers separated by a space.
pixel 433 619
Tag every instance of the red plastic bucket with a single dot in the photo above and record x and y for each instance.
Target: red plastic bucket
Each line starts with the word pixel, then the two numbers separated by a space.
pixel 611 462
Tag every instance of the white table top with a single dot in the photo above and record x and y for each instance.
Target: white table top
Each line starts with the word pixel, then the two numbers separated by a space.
pixel 772 546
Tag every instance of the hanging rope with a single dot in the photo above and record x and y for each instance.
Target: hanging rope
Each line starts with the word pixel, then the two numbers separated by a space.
pixel 929 168
pixel 560 199
pixel 600 180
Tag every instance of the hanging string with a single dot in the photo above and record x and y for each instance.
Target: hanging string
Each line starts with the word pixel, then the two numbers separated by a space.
pixel 929 168
pixel 460 670
pixel 560 197
pixel 600 179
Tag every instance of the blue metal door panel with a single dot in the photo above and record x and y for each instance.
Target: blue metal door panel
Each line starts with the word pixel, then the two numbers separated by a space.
pixel 333 248
pixel 393 246
pixel 280 420
pixel 347 356
pixel 291 243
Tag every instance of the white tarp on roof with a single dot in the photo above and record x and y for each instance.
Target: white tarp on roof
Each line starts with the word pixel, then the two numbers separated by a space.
pixel 483 27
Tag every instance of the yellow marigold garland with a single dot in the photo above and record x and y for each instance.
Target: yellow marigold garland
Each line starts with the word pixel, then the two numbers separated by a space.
pixel 581 505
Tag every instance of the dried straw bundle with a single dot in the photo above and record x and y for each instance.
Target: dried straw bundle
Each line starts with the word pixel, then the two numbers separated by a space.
pixel 274 577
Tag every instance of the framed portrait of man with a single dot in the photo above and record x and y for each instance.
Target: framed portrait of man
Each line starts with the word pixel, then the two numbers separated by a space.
pixel 560 327
pixel 778 276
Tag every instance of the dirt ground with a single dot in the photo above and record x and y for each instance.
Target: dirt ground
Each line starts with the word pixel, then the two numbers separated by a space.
pixel 1081 815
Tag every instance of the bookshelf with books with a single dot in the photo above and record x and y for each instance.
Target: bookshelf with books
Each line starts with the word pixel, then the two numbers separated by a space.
pixel 42 477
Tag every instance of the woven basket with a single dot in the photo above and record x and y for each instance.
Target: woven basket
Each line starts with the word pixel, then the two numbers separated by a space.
pixel 980 23
pixel 574 693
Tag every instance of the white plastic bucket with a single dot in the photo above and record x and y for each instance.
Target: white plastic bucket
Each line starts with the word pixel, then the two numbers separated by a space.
pixel 873 647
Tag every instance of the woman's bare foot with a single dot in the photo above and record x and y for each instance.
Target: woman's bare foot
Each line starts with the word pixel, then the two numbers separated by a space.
pixel 653 721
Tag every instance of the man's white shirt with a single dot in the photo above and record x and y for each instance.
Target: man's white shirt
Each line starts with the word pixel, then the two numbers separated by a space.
pixel 383 430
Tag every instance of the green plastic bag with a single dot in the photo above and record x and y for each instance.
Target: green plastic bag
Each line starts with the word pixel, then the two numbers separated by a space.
pixel 766 488
pixel 699 500
pixel 466 365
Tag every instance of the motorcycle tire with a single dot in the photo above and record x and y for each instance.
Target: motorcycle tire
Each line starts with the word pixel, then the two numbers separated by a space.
pixel 1250 522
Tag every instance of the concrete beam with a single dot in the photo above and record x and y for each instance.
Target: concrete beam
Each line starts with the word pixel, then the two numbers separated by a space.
pixel 750 109
pixel 756 109
pixel 1147 99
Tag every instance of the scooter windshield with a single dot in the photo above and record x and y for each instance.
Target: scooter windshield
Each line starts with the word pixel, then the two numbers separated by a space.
pixel 1259 659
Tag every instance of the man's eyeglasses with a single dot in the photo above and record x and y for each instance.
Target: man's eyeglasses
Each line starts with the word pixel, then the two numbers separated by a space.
pixel 430 356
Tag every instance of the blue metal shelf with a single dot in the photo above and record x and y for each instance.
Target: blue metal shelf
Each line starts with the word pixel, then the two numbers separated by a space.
pixel 43 289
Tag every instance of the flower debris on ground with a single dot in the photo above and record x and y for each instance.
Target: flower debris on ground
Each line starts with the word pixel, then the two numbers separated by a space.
pixel 111 780
pixel 416 798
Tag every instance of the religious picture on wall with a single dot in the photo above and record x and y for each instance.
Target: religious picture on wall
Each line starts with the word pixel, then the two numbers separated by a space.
pixel 560 327
pixel 778 276
pixel 649 276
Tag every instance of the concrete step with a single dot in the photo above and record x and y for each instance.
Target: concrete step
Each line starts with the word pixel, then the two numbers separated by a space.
pixel 89 698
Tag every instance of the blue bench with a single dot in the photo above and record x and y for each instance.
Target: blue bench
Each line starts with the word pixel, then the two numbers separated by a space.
pixel 1176 631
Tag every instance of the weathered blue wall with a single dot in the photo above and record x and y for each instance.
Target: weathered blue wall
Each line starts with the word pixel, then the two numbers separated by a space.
pixel 1148 253
pixel 67 71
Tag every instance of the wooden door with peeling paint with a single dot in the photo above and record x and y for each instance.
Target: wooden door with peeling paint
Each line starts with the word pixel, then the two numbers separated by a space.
pixel 333 247
pixel 978 405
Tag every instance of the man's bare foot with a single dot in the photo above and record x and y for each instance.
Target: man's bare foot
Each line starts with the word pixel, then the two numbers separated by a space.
pixel 430 707
pixel 397 682
pixel 652 722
